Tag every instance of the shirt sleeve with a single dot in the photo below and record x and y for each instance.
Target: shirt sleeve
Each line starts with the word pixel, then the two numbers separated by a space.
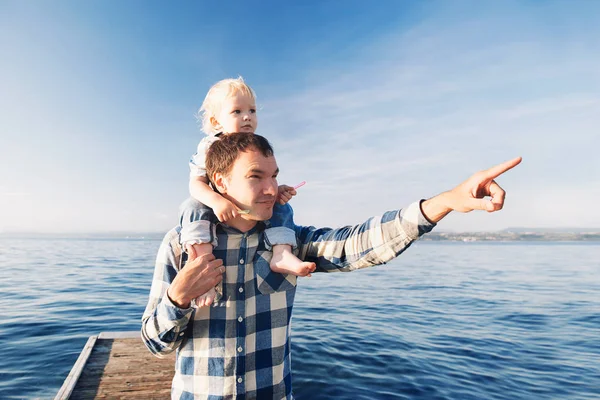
pixel 374 242
pixel 163 323
pixel 198 160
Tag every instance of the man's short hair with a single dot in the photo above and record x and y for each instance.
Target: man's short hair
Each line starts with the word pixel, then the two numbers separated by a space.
pixel 221 155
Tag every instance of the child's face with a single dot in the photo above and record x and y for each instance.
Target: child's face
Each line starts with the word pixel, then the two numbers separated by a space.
pixel 237 114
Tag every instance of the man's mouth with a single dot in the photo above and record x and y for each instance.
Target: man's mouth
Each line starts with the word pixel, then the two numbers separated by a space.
pixel 268 202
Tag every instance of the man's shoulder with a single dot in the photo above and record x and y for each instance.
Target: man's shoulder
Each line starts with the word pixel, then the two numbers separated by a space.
pixel 171 242
pixel 171 234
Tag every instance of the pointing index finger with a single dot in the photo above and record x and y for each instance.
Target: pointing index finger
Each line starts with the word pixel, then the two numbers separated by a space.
pixel 496 171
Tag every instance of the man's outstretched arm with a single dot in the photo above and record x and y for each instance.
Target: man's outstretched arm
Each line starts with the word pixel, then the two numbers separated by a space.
pixel 374 242
pixel 380 239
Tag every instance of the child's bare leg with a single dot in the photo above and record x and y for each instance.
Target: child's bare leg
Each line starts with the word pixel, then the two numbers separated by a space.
pixel 285 262
pixel 207 298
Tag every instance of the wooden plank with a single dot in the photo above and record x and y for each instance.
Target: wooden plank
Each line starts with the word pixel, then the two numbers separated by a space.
pixel 69 383
pixel 121 367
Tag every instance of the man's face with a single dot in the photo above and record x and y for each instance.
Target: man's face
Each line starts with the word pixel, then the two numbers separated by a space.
pixel 237 114
pixel 252 185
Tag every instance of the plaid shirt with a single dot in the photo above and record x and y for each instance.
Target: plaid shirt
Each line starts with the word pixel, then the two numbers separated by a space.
pixel 239 348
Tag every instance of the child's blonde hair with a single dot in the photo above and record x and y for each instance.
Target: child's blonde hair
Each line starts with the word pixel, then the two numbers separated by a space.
pixel 216 95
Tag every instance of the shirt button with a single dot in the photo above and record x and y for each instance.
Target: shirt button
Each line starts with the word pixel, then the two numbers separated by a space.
pixel 240 319
pixel 240 349
pixel 239 380
pixel 241 261
pixel 241 289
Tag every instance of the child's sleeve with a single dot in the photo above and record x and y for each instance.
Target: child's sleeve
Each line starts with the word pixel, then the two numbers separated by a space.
pixel 197 223
pixel 198 160
pixel 282 227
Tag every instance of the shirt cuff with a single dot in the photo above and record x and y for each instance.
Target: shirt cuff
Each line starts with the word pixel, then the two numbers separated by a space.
pixel 171 315
pixel 427 221
pixel 414 221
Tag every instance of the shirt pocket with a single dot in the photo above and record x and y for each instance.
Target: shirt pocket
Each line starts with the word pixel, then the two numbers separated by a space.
pixel 267 281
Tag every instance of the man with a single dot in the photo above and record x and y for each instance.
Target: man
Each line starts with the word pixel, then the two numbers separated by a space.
pixel 240 347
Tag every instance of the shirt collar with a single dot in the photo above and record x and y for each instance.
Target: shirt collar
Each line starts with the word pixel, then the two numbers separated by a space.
pixel 259 227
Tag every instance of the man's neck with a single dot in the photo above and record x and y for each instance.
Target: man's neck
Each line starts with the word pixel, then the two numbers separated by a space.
pixel 241 224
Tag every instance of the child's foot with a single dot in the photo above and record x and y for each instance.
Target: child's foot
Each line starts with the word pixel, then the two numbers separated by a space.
pixel 285 262
pixel 206 299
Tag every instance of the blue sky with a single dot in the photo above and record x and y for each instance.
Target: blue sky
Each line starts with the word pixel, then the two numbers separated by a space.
pixel 374 104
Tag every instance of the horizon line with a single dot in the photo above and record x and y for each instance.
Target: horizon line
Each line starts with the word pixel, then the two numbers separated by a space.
pixel 163 232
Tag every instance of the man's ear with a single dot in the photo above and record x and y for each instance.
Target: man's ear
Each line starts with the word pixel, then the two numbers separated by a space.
pixel 220 182
pixel 215 123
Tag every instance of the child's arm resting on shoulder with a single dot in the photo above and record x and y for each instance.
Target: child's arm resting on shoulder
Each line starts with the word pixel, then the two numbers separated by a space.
pixel 224 209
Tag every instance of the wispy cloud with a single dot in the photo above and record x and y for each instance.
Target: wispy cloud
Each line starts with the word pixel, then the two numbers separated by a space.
pixel 96 122
pixel 423 109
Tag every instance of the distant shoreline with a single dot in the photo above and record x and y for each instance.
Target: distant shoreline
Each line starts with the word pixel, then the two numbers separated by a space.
pixel 505 236
pixel 497 236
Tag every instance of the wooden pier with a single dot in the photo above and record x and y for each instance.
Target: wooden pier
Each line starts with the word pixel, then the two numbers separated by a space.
pixel 117 365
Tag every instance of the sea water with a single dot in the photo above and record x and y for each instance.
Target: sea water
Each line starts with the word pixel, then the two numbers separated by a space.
pixel 476 320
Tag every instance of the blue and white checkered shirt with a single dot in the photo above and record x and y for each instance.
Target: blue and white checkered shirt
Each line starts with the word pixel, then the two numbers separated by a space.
pixel 239 348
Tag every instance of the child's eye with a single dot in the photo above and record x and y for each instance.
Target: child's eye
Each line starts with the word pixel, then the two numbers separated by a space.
pixel 252 111
pixel 236 111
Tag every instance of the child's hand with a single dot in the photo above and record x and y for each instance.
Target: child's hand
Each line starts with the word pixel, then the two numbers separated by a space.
pixel 285 194
pixel 225 210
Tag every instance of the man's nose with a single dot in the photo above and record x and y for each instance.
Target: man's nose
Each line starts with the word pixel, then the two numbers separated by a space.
pixel 272 188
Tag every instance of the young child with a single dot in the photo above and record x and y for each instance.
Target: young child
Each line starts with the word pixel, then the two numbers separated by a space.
pixel 229 108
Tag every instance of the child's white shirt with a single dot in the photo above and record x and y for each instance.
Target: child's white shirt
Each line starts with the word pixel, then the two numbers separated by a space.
pixel 198 160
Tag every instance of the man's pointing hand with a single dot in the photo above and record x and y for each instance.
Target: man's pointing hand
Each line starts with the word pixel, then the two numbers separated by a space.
pixel 471 194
